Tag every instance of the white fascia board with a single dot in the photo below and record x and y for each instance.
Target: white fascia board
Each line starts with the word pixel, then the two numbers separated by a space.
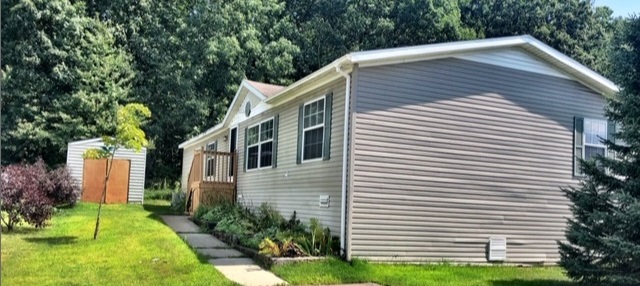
pixel 596 80
pixel 248 86
pixel 434 51
pixel 252 89
pixel 330 68
pixel 216 129
pixel 398 55
pixel 210 132
pixel 94 140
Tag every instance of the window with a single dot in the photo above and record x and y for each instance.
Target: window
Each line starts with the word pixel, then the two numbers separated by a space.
pixel 594 132
pixel 313 130
pixel 260 145
pixel 247 109
pixel 210 165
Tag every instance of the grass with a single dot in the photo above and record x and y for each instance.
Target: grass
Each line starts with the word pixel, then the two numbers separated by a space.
pixel 134 248
pixel 334 271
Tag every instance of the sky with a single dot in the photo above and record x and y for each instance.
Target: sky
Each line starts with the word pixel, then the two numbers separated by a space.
pixel 621 7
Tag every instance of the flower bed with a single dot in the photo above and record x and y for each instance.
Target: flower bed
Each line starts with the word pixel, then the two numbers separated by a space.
pixel 264 234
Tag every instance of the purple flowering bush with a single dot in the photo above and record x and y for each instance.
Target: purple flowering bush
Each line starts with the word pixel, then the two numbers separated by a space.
pixel 29 193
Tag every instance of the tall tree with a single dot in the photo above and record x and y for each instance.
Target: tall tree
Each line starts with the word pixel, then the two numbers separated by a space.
pixel 190 56
pixel 603 236
pixel 328 29
pixel 63 78
pixel 127 134
pixel 574 27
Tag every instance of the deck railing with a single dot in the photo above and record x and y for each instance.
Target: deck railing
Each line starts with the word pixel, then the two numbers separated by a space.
pixel 213 167
pixel 211 171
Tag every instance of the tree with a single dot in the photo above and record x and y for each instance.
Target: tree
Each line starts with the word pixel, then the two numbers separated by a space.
pixel 603 237
pixel 190 57
pixel 127 135
pixel 63 78
pixel 328 29
pixel 574 27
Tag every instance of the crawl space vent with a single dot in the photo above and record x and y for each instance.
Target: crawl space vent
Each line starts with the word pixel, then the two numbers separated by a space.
pixel 497 248
pixel 324 201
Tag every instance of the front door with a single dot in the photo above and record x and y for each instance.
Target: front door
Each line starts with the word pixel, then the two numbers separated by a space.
pixel 232 148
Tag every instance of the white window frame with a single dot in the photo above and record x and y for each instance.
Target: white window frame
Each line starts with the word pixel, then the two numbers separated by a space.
pixel 324 113
pixel 259 124
pixel 599 144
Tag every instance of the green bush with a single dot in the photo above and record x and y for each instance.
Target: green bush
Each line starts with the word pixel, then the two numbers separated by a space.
pixel 265 229
pixel 200 212
pixel 178 201
pixel 269 217
pixel 158 194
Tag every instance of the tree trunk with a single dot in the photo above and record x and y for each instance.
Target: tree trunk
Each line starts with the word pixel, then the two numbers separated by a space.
pixel 104 196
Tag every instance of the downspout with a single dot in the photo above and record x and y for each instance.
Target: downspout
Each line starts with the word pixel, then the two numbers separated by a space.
pixel 345 149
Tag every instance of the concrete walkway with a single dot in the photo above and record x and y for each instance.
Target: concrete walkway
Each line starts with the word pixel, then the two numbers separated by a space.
pixel 231 263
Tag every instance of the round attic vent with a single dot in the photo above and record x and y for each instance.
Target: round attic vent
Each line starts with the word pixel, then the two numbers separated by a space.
pixel 247 109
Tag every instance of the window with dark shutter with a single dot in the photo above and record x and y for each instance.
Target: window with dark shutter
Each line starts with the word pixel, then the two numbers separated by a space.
pixel 314 130
pixel 260 145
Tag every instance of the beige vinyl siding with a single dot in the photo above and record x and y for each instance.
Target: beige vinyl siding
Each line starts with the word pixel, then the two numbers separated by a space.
pixel 450 152
pixel 291 187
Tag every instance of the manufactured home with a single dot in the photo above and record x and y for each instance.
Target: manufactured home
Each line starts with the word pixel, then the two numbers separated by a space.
pixel 453 151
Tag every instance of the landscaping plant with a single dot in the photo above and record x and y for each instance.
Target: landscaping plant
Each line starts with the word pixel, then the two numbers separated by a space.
pixel 603 235
pixel 29 193
pixel 128 134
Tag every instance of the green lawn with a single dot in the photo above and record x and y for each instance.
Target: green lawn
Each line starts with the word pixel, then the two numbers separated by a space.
pixel 134 248
pixel 334 271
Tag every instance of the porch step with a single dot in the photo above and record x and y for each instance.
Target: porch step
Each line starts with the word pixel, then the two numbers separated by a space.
pixel 220 252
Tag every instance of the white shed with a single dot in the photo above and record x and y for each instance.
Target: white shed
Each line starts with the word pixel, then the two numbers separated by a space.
pixel 75 163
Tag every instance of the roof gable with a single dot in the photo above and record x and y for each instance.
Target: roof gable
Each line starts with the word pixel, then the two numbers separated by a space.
pixel 247 91
pixel 547 60
pixel 555 59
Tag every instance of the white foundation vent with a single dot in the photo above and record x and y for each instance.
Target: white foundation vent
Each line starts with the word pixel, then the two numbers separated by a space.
pixel 497 248
pixel 324 201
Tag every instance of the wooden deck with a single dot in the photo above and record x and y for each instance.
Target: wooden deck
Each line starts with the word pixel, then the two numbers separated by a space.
pixel 212 179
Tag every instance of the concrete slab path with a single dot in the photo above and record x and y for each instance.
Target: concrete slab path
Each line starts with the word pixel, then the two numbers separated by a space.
pixel 231 263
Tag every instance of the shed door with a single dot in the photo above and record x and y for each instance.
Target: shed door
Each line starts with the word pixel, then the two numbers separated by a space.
pixel 93 178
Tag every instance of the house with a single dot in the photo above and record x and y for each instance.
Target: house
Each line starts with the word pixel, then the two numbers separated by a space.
pixel 453 151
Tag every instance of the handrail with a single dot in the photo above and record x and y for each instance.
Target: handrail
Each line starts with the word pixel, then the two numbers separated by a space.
pixel 214 167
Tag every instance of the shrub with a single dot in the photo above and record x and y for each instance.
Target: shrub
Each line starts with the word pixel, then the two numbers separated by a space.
pixel 269 217
pixel 23 195
pixel 200 211
pixel 178 201
pixel 159 194
pixel 62 189
pixel 318 241
pixel 265 229
pixel 285 248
